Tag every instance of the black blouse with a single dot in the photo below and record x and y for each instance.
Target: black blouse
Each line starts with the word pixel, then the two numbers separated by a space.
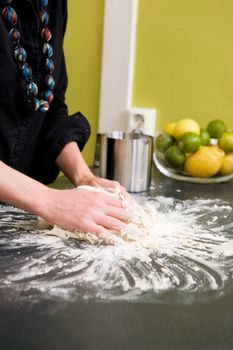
pixel 30 141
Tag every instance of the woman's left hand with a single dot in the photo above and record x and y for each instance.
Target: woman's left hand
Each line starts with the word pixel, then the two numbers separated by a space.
pixel 71 162
pixel 96 181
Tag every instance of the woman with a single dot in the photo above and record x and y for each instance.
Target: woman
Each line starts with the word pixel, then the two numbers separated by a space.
pixel 37 138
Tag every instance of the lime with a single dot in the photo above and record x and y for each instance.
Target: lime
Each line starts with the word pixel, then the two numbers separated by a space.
pixel 225 142
pixel 205 137
pixel 227 165
pixel 185 125
pixel 174 156
pixel 216 128
pixel 163 141
pixel 189 142
pixel 206 162
pixel 169 128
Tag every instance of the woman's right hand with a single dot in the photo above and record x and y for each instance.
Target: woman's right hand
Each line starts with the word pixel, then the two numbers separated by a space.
pixel 85 210
pixel 76 208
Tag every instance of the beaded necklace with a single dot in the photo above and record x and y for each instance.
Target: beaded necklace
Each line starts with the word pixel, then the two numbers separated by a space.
pixel 20 55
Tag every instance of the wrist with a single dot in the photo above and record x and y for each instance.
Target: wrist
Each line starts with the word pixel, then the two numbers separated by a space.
pixel 71 162
pixel 81 177
pixel 45 202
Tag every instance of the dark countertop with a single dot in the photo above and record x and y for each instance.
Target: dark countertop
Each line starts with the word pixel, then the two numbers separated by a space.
pixel 95 324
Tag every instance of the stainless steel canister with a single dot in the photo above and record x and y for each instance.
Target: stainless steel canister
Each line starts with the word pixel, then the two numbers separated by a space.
pixel 127 158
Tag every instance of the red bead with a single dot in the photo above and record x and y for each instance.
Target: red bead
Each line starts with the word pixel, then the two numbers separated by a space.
pixel 48 96
pixel 14 35
pixel 9 15
pixel 46 34
pixel 44 106
pixel 20 54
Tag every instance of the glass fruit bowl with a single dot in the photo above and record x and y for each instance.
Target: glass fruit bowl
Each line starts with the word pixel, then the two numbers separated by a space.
pixel 180 175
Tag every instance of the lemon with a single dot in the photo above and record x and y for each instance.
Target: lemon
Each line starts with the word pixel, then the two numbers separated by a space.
pixel 226 142
pixel 174 156
pixel 189 142
pixel 206 162
pixel 169 128
pixel 185 125
pixel 216 128
pixel 163 141
pixel 227 165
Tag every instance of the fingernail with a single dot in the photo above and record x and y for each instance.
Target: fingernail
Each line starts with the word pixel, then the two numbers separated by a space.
pixel 119 227
pixel 124 203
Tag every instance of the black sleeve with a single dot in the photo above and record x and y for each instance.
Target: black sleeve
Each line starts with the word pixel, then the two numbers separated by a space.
pixel 58 128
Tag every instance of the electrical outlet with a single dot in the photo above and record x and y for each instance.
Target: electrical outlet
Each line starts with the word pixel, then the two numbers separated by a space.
pixel 142 119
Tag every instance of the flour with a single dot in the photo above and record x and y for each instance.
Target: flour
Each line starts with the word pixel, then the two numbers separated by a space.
pixel 193 256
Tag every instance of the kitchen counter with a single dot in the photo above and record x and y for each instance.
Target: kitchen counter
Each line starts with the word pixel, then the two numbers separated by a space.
pixel 139 323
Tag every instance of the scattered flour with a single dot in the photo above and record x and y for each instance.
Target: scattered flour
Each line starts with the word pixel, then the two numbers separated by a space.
pixel 193 255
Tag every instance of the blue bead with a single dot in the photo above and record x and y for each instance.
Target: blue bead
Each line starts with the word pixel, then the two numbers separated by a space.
pixel 36 104
pixel 14 35
pixel 26 72
pixel 20 54
pixel 48 50
pixel 9 15
pixel 49 65
pixel 31 90
pixel 48 96
pixel 49 81
pixel 43 3
pixel 44 18
pixel 44 106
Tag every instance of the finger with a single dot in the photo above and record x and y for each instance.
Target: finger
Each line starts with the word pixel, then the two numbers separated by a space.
pixel 106 236
pixel 119 214
pixel 96 229
pixel 124 199
pixel 128 196
pixel 111 223
pixel 114 202
pixel 107 183
pixel 111 239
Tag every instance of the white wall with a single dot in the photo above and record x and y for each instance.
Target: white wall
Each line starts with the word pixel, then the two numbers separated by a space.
pixel 120 18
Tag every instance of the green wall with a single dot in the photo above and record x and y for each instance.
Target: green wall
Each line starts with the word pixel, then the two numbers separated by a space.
pixel 184 59
pixel 83 46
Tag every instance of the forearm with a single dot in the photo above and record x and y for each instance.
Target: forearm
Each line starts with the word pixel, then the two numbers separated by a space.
pixel 22 192
pixel 71 162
